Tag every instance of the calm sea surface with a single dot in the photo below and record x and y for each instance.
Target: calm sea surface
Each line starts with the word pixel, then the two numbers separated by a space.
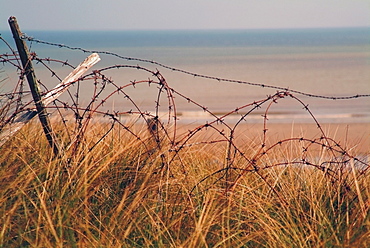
pixel 332 62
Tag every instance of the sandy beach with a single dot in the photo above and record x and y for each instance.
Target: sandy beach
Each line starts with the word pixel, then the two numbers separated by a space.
pixel 354 137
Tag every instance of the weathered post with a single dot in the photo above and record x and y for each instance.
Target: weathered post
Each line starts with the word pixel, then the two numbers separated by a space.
pixel 23 118
pixel 32 81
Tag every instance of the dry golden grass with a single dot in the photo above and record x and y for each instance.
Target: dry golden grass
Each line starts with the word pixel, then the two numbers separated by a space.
pixel 121 195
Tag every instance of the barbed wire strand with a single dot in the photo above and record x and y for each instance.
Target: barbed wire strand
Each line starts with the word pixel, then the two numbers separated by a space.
pixel 29 38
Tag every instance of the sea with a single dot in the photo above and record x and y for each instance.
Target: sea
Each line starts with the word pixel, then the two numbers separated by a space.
pixel 218 70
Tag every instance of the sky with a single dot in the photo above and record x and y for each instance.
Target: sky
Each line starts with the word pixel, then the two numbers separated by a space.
pixel 183 14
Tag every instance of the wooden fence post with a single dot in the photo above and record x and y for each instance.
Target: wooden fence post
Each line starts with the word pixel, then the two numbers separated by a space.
pixel 23 118
pixel 32 81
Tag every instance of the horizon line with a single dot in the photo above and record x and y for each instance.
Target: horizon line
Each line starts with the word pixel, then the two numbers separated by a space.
pixel 196 29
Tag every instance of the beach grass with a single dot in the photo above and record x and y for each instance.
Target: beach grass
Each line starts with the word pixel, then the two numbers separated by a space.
pixel 118 193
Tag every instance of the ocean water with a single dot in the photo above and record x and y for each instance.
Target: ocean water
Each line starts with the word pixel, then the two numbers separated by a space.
pixel 329 62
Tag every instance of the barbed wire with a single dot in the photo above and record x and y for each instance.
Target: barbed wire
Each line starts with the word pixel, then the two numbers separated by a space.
pixel 163 139
pixel 29 38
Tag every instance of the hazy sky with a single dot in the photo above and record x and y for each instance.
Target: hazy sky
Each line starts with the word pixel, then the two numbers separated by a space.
pixel 183 14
